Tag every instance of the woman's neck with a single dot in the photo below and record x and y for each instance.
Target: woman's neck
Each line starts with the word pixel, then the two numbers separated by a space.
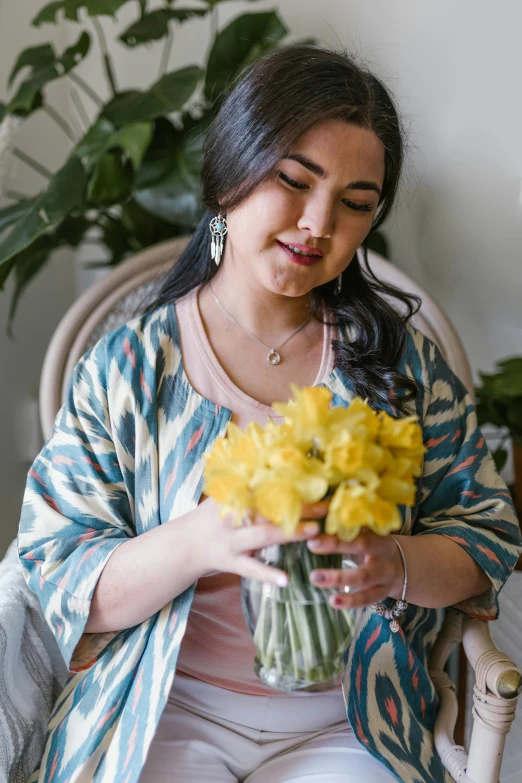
pixel 267 315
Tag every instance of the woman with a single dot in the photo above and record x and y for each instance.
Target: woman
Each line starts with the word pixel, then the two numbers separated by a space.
pixel 306 153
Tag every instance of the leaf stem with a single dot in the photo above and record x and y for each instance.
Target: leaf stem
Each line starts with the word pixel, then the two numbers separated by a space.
pixel 15 195
pixel 78 105
pixel 59 120
pixel 109 71
pixel 29 161
pixel 95 98
pixel 165 56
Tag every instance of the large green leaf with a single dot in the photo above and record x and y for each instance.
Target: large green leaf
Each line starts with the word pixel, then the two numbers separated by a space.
pixel 143 226
pixel 175 198
pixel 155 25
pixel 70 8
pixel 103 136
pixel 499 458
pixel 28 262
pixel 158 159
pixel 36 57
pixel 134 140
pixel 44 70
pixel 111 181
pixel 169 94
pixel 65 192
pixel 14 212
pixel 168 185
pixel 515 416
pixel 236 45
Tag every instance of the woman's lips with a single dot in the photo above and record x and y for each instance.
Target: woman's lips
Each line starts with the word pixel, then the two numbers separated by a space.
pixel 296 258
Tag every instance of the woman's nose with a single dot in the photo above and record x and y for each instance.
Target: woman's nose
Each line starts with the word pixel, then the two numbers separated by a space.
pixel 317 218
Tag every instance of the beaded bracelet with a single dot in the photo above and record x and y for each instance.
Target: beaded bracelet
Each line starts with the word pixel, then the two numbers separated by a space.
pixel 400 606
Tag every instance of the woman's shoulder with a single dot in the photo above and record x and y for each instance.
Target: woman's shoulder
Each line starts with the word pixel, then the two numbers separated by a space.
pixel 424 360
pixel 140 339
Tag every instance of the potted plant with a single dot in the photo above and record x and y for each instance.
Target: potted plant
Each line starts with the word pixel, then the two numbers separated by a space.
pixel 499 402
pixel 132 178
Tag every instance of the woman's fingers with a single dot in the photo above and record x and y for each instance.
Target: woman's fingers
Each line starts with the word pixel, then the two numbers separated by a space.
pixel 359 599
pixel 251 537
pixel 250 568
pixel 366 543
pixel 361 578
pixel 315 510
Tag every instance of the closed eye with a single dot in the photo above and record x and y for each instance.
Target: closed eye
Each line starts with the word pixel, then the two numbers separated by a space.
pixel 301 186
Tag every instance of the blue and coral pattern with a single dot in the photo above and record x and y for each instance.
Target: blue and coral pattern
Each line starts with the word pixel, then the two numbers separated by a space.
pixel 126 454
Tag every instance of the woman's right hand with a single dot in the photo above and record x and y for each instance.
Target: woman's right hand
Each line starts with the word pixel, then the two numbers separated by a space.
pixel 222 546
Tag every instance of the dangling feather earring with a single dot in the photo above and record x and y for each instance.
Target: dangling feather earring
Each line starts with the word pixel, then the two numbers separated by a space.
pixel 218 229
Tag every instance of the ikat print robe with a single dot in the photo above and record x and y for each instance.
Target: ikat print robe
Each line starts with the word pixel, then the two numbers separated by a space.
pixel 126 454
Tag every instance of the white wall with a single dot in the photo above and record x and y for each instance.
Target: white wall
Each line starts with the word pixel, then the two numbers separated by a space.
pixel 455 68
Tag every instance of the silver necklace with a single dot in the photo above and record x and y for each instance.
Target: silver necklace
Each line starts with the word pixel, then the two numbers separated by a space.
pixel 273 357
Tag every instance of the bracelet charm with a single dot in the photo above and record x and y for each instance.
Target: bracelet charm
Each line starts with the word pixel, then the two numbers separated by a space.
pixel 399 608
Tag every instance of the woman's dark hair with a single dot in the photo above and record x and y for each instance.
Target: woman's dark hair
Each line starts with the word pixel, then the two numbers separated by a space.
pixel 262 118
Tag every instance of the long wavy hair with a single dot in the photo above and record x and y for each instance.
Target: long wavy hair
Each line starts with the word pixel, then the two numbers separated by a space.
pixel 269 107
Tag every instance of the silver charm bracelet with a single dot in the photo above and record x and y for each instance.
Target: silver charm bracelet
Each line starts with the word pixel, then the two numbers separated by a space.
pixel 400 606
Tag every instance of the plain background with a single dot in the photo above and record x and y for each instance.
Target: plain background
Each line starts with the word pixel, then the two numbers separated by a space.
pixel 454 68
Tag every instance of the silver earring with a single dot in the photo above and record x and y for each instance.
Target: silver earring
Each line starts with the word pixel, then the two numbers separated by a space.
pixel 339 284
pixel 218 229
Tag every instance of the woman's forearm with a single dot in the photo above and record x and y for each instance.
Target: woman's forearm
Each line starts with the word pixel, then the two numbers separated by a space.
pixel 144 574
pixel 440 572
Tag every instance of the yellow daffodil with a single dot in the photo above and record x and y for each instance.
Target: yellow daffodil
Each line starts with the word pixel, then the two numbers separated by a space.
pixel 369 458
pixel 278 500
pixel 402 435
pixel 358 418
pixel 229 488
pixel 355 507
pixel 308 413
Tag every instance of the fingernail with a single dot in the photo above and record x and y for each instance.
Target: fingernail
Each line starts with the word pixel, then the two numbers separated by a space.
pixel 317 577
pixel 311 528
pixel 314 544
pixel 282 580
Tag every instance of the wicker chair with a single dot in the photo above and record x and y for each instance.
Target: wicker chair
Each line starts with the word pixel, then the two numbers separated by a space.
pixel 117 298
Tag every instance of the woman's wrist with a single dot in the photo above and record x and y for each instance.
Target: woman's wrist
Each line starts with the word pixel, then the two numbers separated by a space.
pixel 398 581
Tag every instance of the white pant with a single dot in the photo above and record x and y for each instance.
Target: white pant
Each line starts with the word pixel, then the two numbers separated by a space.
pixel 208 734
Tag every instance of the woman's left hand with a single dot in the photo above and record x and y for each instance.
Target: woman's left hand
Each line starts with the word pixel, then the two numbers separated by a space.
pixel 380 574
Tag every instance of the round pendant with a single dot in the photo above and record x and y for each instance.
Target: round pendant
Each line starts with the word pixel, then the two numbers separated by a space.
pixel 394 626
pixel 273 357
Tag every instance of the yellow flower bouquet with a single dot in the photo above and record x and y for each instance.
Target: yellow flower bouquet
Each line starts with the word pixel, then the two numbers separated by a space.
pixel 366 462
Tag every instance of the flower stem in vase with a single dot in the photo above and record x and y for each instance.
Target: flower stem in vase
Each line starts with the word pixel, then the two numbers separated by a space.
pixel 300 639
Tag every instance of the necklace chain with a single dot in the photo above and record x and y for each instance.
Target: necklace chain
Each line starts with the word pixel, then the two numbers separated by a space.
pixel 273 355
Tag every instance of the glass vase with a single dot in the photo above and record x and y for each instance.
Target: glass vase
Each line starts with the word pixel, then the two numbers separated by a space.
pixel 300 639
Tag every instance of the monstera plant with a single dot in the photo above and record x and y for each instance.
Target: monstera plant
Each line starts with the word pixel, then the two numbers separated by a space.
pixel 499 402
pixel 132 178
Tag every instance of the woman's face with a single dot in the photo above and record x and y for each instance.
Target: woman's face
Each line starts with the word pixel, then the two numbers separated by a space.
pixel 330 210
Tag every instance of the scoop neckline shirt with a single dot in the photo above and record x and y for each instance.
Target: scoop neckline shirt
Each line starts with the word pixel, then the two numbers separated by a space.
pixel 217 647
pixel 211 382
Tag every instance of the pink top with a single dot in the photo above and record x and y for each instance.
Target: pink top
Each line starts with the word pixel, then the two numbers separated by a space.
pixel 217 646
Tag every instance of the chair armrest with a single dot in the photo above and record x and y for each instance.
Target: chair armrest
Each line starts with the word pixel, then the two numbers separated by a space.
pixel 498 683
pixel 501 675
pixel 495 693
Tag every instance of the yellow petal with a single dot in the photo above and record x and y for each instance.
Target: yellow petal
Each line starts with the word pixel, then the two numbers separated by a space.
pixel 280 503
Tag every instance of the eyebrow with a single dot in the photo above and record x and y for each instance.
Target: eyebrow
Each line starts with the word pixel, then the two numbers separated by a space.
pixel 315 168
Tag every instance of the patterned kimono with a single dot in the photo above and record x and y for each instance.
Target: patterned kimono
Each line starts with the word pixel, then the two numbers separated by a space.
pixel 126 454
